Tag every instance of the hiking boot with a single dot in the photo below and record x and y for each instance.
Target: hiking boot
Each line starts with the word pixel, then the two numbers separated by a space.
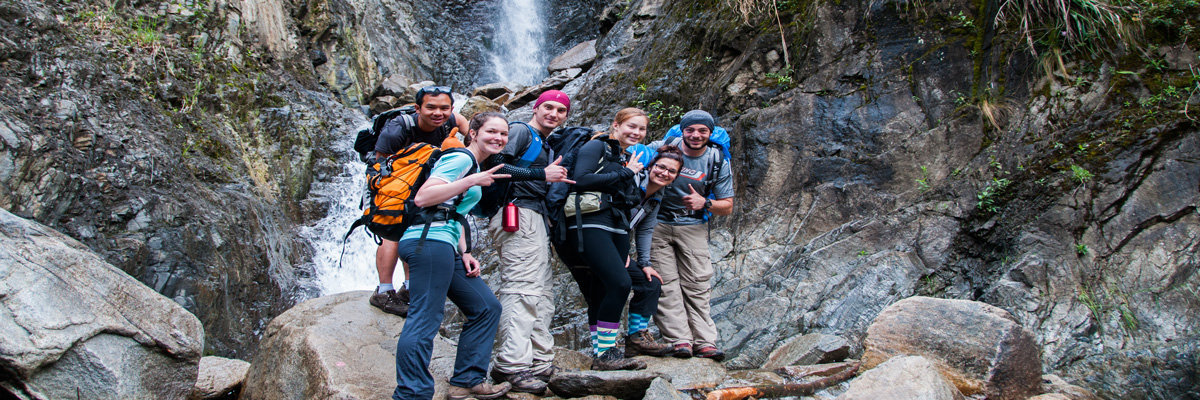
pixel 390 303
pixel 642 343
pixel 682 350
pixel 712 352
pixel 482 391
pixel 545 376
pixel 523 381
pixel 614 359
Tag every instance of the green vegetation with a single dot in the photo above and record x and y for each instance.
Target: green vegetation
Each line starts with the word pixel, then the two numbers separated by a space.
pixel 661 115
pixel 783 78
pixel 988 198
pixel 923 181
pixel 1081 249
pixel 1079 174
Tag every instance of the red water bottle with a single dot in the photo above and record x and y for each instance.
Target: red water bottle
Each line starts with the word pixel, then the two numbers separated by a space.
pixel 511 218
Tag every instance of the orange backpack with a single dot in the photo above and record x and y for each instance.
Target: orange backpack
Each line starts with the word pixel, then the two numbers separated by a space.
pixel 392 183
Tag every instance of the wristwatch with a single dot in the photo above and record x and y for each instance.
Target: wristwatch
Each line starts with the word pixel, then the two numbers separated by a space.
pixel 707 203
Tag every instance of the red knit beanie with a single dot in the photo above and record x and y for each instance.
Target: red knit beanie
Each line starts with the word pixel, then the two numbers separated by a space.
pixel 553 95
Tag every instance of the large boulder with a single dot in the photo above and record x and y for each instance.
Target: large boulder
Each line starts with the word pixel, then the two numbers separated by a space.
pixel 73 326
pixel 901 378
pixel 220 378
pixel 335 346
pixel 813 348
pixel 620 384
pixel 980 348
pixel 691 373
pixel 580 56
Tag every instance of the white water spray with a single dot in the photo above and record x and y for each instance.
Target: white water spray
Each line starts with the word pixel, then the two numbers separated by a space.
pixel 345 192
pixel 517 54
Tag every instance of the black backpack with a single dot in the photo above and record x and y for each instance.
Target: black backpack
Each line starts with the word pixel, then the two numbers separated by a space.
pixel 364 144
pixel 565 143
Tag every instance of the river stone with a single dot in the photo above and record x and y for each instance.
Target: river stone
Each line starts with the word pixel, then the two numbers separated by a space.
pixel 478 104
pixel 1053 384
pixel 396 85
pixel 813 348
pixel 902 378
pixel 580 56
pixel 220 378
pixel 689 373
pixel 571 360
pixel 978 347
pixel 754 377
pixel 335 346
pixel 73 326
pixel 496 89
pixel 662 389
pixel 621 384
pixel 556 80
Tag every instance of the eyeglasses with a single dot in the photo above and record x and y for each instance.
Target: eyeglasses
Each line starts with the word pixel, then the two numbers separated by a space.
pixel 435 90
pixel 661 167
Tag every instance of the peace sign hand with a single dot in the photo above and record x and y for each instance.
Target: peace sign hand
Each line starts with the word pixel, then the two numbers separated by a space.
pixel 635 162
pixel 486 178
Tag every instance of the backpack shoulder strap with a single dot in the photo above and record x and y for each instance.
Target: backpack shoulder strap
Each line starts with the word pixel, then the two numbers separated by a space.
pixel 533 150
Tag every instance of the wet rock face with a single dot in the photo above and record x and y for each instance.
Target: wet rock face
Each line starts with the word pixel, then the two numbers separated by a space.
pixel 862 181
pixel 74 326
pixel 185 173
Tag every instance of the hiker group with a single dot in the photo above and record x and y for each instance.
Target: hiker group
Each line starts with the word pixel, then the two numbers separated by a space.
pixel 584 194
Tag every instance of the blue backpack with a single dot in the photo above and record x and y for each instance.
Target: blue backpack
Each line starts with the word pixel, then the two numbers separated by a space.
pixel 719 139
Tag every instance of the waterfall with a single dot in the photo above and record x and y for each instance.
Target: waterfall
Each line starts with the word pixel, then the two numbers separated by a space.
pixel 517 53
pixel 343 192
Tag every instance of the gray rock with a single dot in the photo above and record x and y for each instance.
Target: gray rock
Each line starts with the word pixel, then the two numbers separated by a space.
pixel 901 378
pixel 556 80
pixel 220 378
pixel 979 348
pixel 691 373
pixel 813 348
pixel 396 85
pixel 74 326
pixel 620 384
pixel 1053 384
pixel 662 389
pixel 335 346
pixel 495 90
pixel 581 56
pixel 478 104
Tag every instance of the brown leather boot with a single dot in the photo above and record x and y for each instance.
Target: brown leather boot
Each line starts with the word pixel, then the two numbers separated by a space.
pixel 643 343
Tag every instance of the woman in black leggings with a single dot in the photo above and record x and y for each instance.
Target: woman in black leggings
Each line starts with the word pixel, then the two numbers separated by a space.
pixel 597 243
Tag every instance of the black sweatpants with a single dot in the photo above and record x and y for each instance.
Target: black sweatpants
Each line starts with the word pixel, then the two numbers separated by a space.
pixel 600 271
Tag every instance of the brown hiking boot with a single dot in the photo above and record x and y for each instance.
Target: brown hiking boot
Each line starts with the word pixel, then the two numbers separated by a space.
pixel 390 302
pixel 682 350
pixel 643 343
pixel 614 359
pixel 545 376
pixel 523 381
pixel 482 391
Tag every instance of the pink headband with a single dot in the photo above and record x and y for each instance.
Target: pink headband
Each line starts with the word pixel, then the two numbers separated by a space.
pixel 553 95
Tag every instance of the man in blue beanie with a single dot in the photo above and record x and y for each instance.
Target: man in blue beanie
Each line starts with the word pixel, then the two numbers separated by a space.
pixel 679 250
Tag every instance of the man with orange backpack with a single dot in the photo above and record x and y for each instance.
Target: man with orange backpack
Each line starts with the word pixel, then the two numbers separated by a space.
pixel 433 122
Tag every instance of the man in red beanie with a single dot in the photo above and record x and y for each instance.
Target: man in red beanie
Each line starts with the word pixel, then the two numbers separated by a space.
pixel 524 353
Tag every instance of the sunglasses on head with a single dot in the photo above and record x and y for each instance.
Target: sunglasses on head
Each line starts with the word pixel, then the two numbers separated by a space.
pixel 434 90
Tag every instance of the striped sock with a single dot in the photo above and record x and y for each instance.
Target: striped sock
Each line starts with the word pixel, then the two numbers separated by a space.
pixel 595 342
pixel 606 334
pixel 637 323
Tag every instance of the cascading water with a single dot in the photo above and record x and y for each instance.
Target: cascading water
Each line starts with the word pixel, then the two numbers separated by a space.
pixel 517 53
pixel 344 191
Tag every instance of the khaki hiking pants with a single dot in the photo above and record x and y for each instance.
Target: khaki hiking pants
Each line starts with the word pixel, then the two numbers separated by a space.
pixel 524 341
pixel 680 254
